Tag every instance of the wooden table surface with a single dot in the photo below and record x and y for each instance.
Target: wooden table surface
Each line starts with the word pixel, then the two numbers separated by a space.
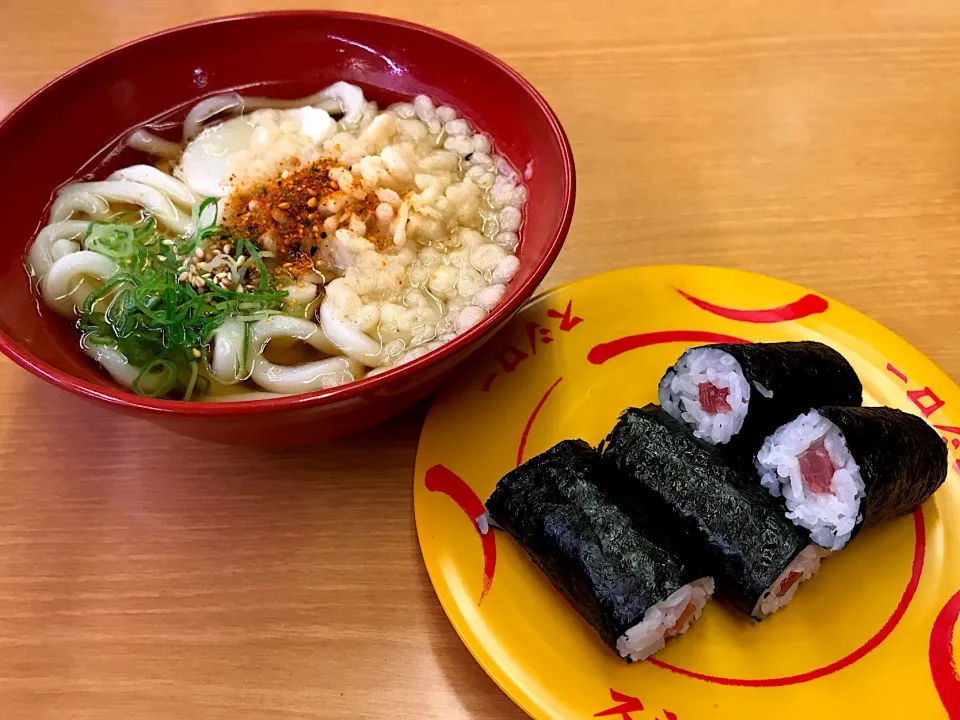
pixel 146 576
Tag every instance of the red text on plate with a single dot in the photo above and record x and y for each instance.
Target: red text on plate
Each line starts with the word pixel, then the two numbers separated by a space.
pixel 955 443
pixel 568 321
pixel 535 332
pixel 511 355
pixel 628 704
pixel 928 402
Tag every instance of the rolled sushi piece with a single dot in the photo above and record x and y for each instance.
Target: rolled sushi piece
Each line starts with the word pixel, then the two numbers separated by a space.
pixel 839 469
pixel 736 395
pixel 706 512
pixel 635 594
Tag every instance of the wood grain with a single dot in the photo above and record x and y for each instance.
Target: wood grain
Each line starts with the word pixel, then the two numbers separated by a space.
pixel 146 576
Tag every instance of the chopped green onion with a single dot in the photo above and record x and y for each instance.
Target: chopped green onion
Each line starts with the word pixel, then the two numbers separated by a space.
pixel 246 344
pixel 255 256
pixel 148 369
pixel 114 241
pixel 154 319
pixel 193 381
pixel 202 231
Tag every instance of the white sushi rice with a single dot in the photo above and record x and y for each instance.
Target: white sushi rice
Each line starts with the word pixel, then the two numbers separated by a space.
pixel 806 564
pixel 830 517
pixel 680 393
pixel 651 634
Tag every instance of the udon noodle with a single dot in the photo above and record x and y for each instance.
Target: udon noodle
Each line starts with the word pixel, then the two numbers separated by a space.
pixel 284 246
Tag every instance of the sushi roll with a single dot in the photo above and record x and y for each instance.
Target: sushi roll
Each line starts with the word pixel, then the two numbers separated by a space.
pixel 706 512
pixel 736 395
pixel 635 594
pixel 839 469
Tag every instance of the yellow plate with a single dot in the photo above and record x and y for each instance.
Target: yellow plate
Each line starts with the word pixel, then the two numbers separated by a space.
pixel 870 636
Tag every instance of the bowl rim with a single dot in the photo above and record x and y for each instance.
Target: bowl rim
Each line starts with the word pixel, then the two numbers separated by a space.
pixel 127 399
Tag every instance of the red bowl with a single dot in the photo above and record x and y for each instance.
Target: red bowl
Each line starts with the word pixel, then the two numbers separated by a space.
pixel 52 136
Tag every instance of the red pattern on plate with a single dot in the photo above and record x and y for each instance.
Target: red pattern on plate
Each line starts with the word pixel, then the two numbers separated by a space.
pixel 443 480
pixel 804 307
pixel 533 416
pixel 943 667
pixel 919 552
pixel 599 354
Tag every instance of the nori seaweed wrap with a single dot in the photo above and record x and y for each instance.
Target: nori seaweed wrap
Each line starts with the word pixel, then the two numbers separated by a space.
pixel 840 469
pixel 593 553
pixel 735 395
pixel 704 510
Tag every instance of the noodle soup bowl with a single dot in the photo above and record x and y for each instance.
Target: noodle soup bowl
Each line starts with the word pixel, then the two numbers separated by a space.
pixel 59 134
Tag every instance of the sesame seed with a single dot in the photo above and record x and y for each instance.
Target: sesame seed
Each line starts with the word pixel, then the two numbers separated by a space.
pixel 199 252
pixel 241 259
pixel 196 353
pixel 284 206
pixel 169 243
pixel 184 276
pixel 227 248
pixel 312 202
pixel 240 288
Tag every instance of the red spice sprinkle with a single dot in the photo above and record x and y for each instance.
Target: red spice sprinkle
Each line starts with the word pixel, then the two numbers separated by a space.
pixel 282 215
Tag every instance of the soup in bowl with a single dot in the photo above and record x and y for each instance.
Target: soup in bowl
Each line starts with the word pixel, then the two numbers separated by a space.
pixel 314 235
